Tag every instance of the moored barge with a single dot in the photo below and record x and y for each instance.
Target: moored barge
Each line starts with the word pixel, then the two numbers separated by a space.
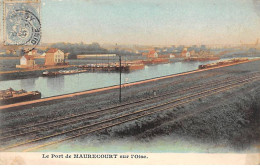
pixel 62 72
pixel 225 62
pixel 10 96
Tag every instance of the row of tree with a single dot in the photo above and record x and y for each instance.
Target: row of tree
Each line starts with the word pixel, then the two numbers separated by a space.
pixel 79 48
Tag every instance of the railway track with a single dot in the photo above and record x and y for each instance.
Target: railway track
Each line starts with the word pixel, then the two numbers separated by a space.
pixel 181 81
pixel 5 129
pixel 163 86
pixel 122 118
pixel 92 114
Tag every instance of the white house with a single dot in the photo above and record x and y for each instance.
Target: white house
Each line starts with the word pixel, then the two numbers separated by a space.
pixel 43 55
pixel 26 61
pixel 152 54
pixel 172 56
pixel 23 61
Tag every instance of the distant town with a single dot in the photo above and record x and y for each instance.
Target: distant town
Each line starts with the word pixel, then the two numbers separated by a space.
pixel 58 55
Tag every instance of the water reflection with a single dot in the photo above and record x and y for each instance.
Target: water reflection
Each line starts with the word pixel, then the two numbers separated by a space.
pixel 55 83
pixel 28 84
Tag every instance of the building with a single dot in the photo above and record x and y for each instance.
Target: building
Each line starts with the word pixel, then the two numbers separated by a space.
pixel 94 55
pixel 164 56
pixel 152 54
pixel 54 56
pixel 26 61
pixel 144 54
pixel 172 56
pixel 185 52
pixel 188 54
pixel 192 52
pixel 43 55
pixel 66 55
pixel 33 52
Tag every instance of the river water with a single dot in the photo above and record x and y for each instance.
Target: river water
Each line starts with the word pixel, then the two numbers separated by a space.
pixel 52 86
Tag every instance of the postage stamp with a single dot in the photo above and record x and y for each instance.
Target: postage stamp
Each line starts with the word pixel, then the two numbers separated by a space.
pixel 22 26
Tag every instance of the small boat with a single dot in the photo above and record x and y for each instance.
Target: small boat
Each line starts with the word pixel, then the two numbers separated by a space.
pixel 47 73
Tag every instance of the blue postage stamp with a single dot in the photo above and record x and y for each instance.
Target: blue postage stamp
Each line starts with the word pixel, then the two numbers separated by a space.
pixel 22 24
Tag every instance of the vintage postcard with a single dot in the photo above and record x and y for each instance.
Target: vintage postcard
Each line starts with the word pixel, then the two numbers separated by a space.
pixel 130 82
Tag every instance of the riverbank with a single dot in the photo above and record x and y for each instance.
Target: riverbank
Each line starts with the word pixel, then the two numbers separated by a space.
pixel 29 73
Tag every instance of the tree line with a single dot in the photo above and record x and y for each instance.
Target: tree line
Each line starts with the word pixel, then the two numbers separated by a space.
pixel 79 48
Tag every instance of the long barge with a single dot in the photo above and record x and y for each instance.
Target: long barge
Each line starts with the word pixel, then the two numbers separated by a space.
pixel 10 96
pixel 62 72
pixel 220 63
pixel 125 67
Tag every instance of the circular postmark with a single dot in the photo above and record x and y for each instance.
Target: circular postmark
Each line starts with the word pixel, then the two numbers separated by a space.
pixel 23 27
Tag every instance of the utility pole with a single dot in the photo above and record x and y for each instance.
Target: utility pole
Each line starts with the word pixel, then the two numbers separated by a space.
pixel 108 61
pixel 96 60
pixel 120 69
pixel 120 75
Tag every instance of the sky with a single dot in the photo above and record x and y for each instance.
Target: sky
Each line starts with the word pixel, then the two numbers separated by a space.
pixel 151 22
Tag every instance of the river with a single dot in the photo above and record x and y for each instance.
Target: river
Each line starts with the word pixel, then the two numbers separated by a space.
pixel 52 86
